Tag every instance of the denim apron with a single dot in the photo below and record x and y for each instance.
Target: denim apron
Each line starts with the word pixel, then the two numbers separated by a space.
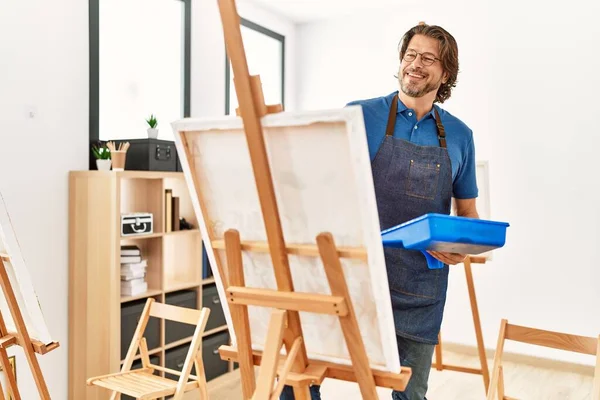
pixel 412 180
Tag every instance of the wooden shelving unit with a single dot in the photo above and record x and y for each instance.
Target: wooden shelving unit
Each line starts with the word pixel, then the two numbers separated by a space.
pixel 97 199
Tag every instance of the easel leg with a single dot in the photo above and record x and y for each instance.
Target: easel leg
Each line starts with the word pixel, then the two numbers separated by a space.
pixel 270 361
pixel 302 393
pixel 12 382
pixel 438 353
pixel 287 366
pixel 477 322
pixel 239 313
pixel 354 341
pixel 24 339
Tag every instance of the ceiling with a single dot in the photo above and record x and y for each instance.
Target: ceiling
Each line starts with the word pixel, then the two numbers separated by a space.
pixel 301 11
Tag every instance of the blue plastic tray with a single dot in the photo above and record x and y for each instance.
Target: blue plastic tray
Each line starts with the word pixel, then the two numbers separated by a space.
pixel 446 233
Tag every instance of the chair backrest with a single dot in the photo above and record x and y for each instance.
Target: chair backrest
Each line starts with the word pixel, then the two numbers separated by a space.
pixel 184 315
pixel 552 339
pixel 556 340
pixel 175 313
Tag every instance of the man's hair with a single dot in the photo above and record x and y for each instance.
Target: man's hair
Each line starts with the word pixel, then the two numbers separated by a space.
pixel 448 54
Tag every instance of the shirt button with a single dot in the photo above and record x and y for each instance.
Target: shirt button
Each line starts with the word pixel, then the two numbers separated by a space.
pixel 416 126
pixel 410 114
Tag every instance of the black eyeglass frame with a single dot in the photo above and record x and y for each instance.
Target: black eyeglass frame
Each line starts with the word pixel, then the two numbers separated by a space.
pixel 425 57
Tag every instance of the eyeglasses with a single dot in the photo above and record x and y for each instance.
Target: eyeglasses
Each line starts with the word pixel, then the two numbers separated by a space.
pixel 426 58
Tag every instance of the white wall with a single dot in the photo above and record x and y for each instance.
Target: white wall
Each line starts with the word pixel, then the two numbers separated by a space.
pixel 528 88
pixel 44 48
pixel 44 69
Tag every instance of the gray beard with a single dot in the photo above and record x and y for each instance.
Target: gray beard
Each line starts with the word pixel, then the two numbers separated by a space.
pixel 413 91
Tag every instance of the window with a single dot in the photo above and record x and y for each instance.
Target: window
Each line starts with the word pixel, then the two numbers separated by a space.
pixel 265 53
pixel 139 65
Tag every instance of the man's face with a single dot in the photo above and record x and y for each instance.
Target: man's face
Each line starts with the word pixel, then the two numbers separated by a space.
pixel 416 77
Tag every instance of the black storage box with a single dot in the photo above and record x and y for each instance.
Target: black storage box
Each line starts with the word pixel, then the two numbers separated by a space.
pixel 151 155
pixel 130 316
pixel 214 366
pixel 137 364
pixel 177 330
pixel 210 299
pixel 175 358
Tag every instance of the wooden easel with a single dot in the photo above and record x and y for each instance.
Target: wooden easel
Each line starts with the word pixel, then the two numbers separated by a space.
pixel 284 327
pixel 20 338
pixel 484 371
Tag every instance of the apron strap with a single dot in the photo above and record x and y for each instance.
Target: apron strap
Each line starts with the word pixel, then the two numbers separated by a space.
pixel 391 124
pixel 440 127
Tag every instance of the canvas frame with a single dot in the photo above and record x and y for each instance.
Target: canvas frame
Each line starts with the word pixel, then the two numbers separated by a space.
pixel 349 121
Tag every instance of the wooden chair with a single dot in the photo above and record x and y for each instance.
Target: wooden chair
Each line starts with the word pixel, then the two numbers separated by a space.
pixel 142 383
pixel 556 340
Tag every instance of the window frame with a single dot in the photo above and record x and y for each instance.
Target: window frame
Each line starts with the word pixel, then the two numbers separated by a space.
pixel 265 31
pixel 94 77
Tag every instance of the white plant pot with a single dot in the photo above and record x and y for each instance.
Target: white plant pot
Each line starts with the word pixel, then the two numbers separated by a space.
pixel 103 165
pixel 152 133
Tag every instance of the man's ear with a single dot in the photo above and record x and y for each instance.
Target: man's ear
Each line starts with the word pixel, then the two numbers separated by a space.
pixel 445 77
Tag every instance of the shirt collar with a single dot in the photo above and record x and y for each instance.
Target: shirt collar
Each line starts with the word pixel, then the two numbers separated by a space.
pixel 402 107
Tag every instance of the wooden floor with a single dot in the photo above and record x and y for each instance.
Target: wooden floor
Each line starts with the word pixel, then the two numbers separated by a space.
pixel 523 381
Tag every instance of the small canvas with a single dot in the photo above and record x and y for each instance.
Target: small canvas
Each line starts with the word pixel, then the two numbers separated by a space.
pixel 21 284
pixel 483 200
pixel 323 182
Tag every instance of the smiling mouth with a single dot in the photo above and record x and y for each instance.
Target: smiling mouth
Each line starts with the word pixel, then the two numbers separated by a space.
pixel 415 76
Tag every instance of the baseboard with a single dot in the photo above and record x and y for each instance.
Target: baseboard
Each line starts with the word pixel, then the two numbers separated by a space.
pixel 519 358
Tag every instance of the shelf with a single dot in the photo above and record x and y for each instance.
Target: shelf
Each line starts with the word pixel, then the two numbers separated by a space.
pixel 173 287
pixel 216 330
pixel 182 232
pixel 174 265
pixel 130 174
pixel 149 174
pixel 149 293
pixel 161 234
pixel 142 237
pixel 208 281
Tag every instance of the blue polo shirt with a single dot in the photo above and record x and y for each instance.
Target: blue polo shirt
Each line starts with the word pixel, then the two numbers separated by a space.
pixel 459 137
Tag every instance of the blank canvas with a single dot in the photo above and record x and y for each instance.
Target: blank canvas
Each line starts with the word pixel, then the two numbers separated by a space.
pixel 323 183
pixel 22 286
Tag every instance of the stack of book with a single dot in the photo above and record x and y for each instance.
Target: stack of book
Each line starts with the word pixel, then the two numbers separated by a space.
pixel 133 271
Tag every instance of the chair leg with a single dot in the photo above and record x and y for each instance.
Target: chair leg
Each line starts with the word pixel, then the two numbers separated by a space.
pixel 135 341
pixel 501 383
pixel 497 362
pixel 596 389
pixel 200 373
pixel 192 354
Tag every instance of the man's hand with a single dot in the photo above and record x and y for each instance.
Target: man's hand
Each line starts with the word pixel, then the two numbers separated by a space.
pixel 448 258
pixel 464 208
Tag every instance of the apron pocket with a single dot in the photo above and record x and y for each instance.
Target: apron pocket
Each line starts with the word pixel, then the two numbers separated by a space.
pixel 416 282
pixel 422 180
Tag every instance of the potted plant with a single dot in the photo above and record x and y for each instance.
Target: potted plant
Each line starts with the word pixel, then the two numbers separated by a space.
pixel 103 158
pixel 152 131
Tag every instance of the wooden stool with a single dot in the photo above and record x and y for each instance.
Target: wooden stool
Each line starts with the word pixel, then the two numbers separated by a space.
pixel 142 383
